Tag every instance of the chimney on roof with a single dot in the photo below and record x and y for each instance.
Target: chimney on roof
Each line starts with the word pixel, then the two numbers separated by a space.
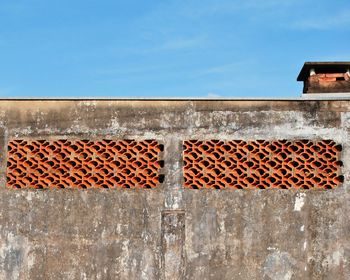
pixel 325 77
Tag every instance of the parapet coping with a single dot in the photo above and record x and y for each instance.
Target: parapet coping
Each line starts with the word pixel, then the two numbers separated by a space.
pixel 304 97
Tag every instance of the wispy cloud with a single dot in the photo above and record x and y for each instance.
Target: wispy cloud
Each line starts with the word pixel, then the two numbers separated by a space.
pixel 229 68
pixel 174 44
pixel 213 95
pixel 340 19
pixel 174 71
pixel 199 8
pixel 134 69
pixel 268 3
pixel 169 44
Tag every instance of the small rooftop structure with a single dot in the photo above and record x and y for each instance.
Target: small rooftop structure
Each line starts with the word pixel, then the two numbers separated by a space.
pixel 325 77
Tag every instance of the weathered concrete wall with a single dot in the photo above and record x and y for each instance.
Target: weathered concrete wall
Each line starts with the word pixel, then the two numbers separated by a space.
pixel 171 232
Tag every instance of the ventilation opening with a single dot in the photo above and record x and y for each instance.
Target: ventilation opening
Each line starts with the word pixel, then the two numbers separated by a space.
pixel 84 164
pixel 261 164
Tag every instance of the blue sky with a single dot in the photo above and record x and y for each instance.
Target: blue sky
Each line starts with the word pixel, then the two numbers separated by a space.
pixel 192 48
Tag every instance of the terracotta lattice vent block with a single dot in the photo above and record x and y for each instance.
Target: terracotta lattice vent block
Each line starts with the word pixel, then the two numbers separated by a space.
pixel 84 164
pixel 260 164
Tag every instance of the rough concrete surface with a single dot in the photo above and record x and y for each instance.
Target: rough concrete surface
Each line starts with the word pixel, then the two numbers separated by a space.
pixel 171 232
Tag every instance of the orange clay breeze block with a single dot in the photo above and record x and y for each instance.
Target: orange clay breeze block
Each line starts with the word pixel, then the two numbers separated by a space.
pixel 83 164
pixel 260 164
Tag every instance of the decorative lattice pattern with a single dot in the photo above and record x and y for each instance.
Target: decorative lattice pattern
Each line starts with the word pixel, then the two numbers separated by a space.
pixel 262 164
pixel 84 164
